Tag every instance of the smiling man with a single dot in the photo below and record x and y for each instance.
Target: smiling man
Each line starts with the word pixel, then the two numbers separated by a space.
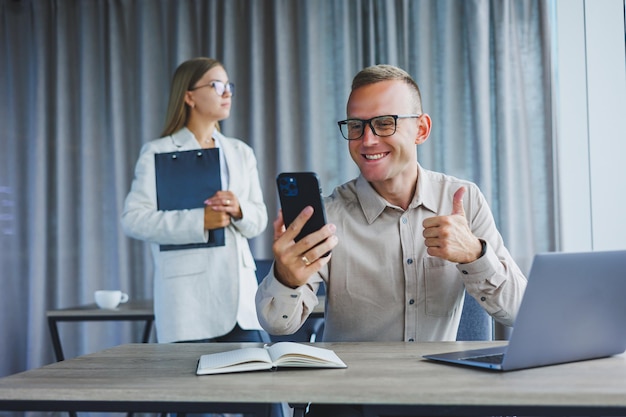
pixel 406 242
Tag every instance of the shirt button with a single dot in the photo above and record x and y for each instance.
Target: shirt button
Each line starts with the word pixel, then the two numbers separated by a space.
pixel 404 220
pixel 409 261
pixel 285 316
pixel 482 298
pixel 411 301
pixel 464 272
pixel 294 295
pixel 411 340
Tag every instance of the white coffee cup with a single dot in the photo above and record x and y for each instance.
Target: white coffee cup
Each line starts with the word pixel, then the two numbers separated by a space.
pixel 110 299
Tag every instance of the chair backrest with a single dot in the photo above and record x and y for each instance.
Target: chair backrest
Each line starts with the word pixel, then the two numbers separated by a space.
pixel 262 268
pixel 475 323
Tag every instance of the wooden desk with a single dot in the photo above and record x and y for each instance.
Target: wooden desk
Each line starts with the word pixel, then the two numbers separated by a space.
pixel 141 310
pixel 161 378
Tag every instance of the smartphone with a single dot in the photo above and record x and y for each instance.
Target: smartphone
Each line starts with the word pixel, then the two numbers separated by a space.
pixel 296 190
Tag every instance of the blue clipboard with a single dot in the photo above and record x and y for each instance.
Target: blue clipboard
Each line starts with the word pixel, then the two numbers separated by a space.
pixel 184 179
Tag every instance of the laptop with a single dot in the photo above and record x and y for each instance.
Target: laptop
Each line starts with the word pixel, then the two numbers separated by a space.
pixel 574 309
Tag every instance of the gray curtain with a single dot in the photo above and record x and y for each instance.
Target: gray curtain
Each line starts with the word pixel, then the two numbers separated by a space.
pixel 83 84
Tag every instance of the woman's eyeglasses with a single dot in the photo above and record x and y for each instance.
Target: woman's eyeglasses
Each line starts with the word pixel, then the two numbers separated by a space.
pixel 219 87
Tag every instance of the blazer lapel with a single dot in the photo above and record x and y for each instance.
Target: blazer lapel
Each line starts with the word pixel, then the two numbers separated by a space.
pixel 184 140
pixel 234 165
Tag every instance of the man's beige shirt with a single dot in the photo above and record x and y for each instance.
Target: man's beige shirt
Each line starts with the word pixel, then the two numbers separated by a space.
pixel 381 285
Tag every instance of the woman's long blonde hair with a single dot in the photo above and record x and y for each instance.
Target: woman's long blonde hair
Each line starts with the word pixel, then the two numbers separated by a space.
pixel 185 77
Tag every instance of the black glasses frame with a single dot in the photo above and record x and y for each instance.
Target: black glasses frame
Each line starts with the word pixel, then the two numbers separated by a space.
pixel 217 86
pixel 365 122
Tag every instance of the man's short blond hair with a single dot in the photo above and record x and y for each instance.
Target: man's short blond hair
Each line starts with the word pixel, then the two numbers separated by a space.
pixel 379 73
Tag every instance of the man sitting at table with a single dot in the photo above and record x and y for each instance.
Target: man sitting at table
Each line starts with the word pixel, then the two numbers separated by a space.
pixel 406 242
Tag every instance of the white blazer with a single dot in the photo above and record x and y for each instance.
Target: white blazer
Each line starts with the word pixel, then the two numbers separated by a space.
pixel 198 293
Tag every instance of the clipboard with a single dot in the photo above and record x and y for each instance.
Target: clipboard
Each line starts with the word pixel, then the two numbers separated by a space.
pixel 184 179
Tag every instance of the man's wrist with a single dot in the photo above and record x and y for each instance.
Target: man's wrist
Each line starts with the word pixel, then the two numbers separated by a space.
pixel 279 278
pixel 483 249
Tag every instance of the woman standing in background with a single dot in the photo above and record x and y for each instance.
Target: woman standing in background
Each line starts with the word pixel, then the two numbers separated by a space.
pixel 201 294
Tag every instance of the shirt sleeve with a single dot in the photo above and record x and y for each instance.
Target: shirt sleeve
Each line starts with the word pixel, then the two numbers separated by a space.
pixel 494 280
pixel 142 220
pixel 283 310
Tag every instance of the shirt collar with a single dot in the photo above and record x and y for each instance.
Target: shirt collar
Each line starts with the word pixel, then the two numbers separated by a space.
pixel 373 204
pixel 426 194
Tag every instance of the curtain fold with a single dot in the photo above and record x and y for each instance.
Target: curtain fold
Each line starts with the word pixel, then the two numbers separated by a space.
pixel 83 84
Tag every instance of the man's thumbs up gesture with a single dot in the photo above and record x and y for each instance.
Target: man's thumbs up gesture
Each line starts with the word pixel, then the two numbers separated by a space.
pixel 449 237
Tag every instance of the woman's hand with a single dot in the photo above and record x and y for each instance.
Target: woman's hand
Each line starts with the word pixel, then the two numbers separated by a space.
pixel 220 208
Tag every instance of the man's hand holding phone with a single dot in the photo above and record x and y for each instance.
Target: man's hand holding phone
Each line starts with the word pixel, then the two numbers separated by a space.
pixel 297 261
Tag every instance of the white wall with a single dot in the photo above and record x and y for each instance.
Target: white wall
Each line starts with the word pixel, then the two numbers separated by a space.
pixel 590 93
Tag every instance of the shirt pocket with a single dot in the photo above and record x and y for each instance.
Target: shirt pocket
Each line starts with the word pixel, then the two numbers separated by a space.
pixel 443 287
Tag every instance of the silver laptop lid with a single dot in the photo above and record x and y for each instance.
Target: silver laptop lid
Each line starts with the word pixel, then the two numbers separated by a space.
pixel 590 322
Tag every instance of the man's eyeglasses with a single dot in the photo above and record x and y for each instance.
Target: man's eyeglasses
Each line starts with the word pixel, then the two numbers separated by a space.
pixel 352 129
pixel 220 87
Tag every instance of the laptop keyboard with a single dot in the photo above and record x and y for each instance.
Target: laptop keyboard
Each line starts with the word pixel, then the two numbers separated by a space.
pixel 496 359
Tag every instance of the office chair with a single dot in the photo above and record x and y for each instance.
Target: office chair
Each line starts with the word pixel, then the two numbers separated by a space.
pixel 475 323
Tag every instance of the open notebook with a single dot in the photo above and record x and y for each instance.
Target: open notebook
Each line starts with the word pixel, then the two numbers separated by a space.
pixel 574 308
